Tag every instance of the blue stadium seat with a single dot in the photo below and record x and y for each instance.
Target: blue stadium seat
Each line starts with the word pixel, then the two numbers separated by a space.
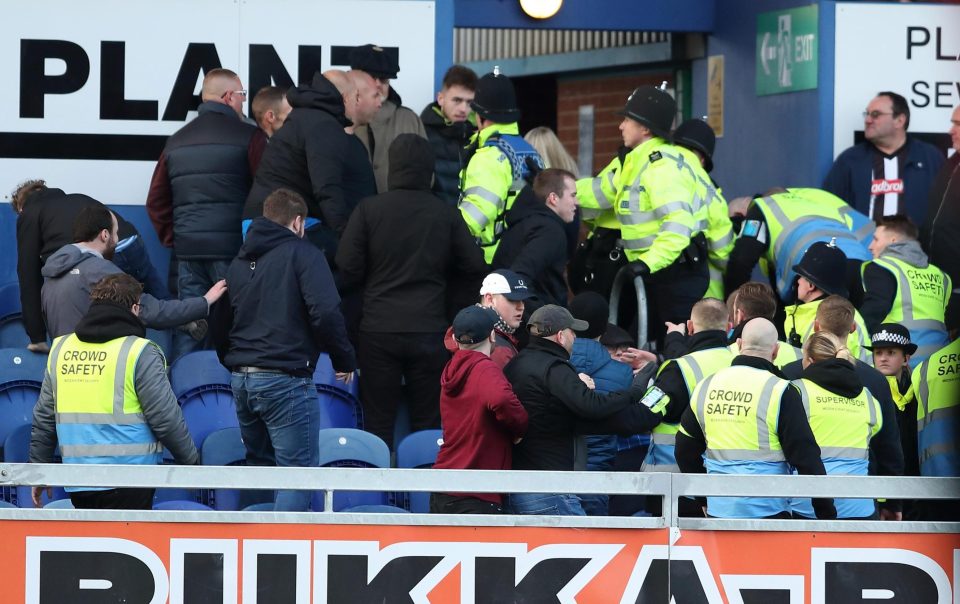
pixel 347 447
pixel 21 375
pixel 266 506
pixel 196 370
pixel 419 450
pixel 6 504
pixel 12 333
pixel 21 364
pixel 338 409
pixel 208 409
pixel 185 505
pixel 326 376
pixel 60 504
pixel 16 449
pixel 376 509
pixel 224 447
pixel 9 299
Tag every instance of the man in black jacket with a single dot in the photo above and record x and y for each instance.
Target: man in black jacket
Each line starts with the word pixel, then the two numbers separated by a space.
pixel 560 405
pixel 534 244
pixel 199 186
pixel 44 225
pixel 401 247
pixel 308 156
pixel 449 130
pixel 285 312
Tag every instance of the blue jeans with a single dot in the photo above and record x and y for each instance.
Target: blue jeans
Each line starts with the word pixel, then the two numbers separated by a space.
pixel 543 504
pixel 279 424
pixel 194 278
pixel 132 258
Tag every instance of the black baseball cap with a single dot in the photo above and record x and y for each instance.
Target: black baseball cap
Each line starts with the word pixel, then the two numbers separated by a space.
pixel 473 324
pixel 548 320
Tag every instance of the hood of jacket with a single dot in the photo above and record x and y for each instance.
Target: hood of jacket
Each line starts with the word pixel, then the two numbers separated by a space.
pixel 836 375
pixel 411 163
pixel 64 260
pixel 319 94
pixel 263 236
pixel 105 321
pixel 908 251
pixel 527 206
pixel 455 374
pixel 432 117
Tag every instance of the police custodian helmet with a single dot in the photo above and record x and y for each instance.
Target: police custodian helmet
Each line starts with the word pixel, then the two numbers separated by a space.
pixel 652 107
pixel 696 135
pixel 495 98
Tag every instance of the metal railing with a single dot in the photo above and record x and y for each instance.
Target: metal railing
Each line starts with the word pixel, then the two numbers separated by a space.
pixel 624 278
pixel 667 486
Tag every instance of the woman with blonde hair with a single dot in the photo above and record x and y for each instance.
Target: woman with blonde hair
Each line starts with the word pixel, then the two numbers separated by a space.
pixel 845 419
pixel 551 149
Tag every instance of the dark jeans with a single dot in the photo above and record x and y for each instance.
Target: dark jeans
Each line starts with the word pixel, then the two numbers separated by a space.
pixel 279 423
pixel 441 503
pixel 389 360
pixel 671 294
pixel 545 504
pixel 134 260
pixel 114 499
pixel 194 278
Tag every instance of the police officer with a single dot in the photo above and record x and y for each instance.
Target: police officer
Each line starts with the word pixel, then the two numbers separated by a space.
pixel 846 421
pixel 106 398
pixel 659 212
pixel 676 380
pixel 820 274
pixel 901 286
pixel 892 350
pixel 780 226
pixel 696 140
pixel 746 419
pixel 936 389
pixel 503 164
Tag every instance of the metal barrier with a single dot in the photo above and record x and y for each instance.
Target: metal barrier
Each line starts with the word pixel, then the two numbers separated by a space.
pixel 624 277
pixel 668 486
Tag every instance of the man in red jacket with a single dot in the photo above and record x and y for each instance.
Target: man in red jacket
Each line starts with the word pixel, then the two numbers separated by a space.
pixel 482 417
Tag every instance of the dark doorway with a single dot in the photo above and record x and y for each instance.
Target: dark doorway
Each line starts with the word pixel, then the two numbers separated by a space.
pixel 537 97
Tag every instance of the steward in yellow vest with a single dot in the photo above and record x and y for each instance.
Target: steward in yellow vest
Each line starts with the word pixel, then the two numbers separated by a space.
pixel 745 419
pixel 901 286
pixel 106 398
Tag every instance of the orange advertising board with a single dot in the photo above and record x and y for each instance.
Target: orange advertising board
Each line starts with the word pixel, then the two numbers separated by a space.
pixel 152 563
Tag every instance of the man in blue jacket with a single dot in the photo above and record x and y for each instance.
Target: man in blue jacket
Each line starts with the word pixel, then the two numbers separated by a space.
pixel 890 172
pixel 285 312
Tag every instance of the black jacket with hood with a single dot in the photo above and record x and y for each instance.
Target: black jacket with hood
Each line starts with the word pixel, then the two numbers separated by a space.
pixel 283 308
pixel 309 155
pixel 403 247
pixel 535 246
pixel 449 141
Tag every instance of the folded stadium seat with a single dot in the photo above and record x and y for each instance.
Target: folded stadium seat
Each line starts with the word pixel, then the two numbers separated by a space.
pixel 326 376
pixel 16 449
pixel 418 450
pixel 184 505
pixel 225 448
pixel 60 504
pixel 12 333
pixel 351 448
pixel 21 375
pixel 376 509
pixel 164 339
pixel 207 409
pixel 266 506
pixel 338 409
pixel 196 370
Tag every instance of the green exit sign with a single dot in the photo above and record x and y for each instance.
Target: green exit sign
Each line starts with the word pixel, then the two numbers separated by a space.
pixel 787 50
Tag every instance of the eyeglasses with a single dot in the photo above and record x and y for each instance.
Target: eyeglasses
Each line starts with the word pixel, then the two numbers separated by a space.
pixel 242 93
pixel 875 114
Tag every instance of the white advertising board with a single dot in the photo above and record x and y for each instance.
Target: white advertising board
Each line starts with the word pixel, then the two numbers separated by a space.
pixel 93 88
pixel 911 49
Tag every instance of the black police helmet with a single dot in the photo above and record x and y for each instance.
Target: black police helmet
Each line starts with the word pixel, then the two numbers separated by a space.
pixel 697 135
pixel 495 98
pixel 825 266
pixel 652 107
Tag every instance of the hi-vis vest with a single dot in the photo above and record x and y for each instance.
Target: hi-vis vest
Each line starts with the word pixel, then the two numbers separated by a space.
pixel 738 409
pixel 920 303
pixel 661 456
pixel 786 354
pixel 98 415
pixel 657 204
pixel 798 219
pixel 843 428
pixel 716 226
pixel 936 386
pixel 800 317
pixel 491 181
pixel 596 197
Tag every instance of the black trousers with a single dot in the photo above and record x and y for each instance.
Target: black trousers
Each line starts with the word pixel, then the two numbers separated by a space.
pixel 114 499
pixel 441 503
pixel 388 361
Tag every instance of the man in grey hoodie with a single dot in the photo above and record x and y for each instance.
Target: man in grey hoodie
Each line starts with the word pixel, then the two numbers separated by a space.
pixel 71 272
pixel 901 286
